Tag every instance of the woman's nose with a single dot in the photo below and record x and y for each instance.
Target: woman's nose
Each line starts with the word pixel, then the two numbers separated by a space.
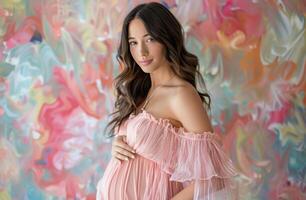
pixel 143 49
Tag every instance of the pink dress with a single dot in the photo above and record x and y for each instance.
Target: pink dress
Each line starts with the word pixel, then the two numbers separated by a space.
pixel 168 158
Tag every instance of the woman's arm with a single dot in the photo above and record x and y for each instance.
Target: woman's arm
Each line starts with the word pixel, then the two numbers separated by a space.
pixel 188 108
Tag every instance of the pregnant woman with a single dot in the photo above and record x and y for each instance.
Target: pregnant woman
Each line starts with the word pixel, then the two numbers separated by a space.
pixel 164 146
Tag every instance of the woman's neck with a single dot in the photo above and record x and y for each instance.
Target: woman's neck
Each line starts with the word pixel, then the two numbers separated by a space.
pixel 161 77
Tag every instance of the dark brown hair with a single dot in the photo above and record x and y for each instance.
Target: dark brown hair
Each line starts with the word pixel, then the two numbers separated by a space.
pixel 132 84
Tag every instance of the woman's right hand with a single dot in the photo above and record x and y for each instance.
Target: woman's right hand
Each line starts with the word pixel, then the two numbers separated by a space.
pixel 121 150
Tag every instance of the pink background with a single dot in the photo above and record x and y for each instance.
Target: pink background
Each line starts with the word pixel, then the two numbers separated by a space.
pixel 57 64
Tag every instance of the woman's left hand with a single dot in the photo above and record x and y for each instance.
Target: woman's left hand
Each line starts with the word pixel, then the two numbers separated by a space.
pixel 121 150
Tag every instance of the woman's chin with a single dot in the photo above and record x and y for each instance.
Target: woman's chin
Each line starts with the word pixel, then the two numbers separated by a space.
pixel 146 68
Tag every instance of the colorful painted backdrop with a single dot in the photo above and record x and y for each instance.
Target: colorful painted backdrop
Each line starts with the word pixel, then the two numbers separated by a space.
pixel 57 64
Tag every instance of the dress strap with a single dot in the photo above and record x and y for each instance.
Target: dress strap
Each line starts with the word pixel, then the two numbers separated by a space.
pixel 151 95
pixel 147 101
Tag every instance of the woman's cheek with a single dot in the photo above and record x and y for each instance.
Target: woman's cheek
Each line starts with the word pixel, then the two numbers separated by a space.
pixel 132 51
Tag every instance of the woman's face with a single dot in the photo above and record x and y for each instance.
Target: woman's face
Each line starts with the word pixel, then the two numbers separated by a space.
pixel 149 54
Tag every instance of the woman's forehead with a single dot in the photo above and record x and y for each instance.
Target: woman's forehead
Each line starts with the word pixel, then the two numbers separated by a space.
pixel 137 29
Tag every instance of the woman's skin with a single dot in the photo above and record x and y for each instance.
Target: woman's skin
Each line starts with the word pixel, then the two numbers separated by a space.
pixel 174 99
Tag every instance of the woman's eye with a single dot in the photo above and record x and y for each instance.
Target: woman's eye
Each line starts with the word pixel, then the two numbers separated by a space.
pixel 150 39
pixel 132 43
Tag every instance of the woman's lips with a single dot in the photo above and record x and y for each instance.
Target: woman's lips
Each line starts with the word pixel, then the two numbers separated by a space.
pixel 145 62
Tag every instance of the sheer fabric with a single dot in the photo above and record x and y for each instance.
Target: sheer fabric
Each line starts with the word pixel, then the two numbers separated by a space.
pixel 168 158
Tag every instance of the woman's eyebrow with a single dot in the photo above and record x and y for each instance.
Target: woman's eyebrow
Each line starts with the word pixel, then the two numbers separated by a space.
pixel 145 35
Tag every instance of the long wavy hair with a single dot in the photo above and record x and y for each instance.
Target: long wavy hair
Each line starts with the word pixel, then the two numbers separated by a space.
pixel 132 84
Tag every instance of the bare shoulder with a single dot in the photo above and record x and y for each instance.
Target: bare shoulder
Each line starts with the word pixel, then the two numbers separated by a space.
pixel 187 93
pixel 189 110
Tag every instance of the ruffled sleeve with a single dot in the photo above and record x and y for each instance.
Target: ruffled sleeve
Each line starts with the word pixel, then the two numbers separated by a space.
pixel 200 160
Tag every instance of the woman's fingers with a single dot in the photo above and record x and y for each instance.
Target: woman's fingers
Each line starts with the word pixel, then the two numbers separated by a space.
pixel 125 146
pixel 121 142
pixel 121 157
pixel 121 151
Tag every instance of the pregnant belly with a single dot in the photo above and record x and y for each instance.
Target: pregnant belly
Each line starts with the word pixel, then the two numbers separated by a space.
pixel 139 179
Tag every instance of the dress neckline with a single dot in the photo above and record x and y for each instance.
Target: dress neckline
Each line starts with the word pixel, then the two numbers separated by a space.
pixel 166 123
pixel 153 117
